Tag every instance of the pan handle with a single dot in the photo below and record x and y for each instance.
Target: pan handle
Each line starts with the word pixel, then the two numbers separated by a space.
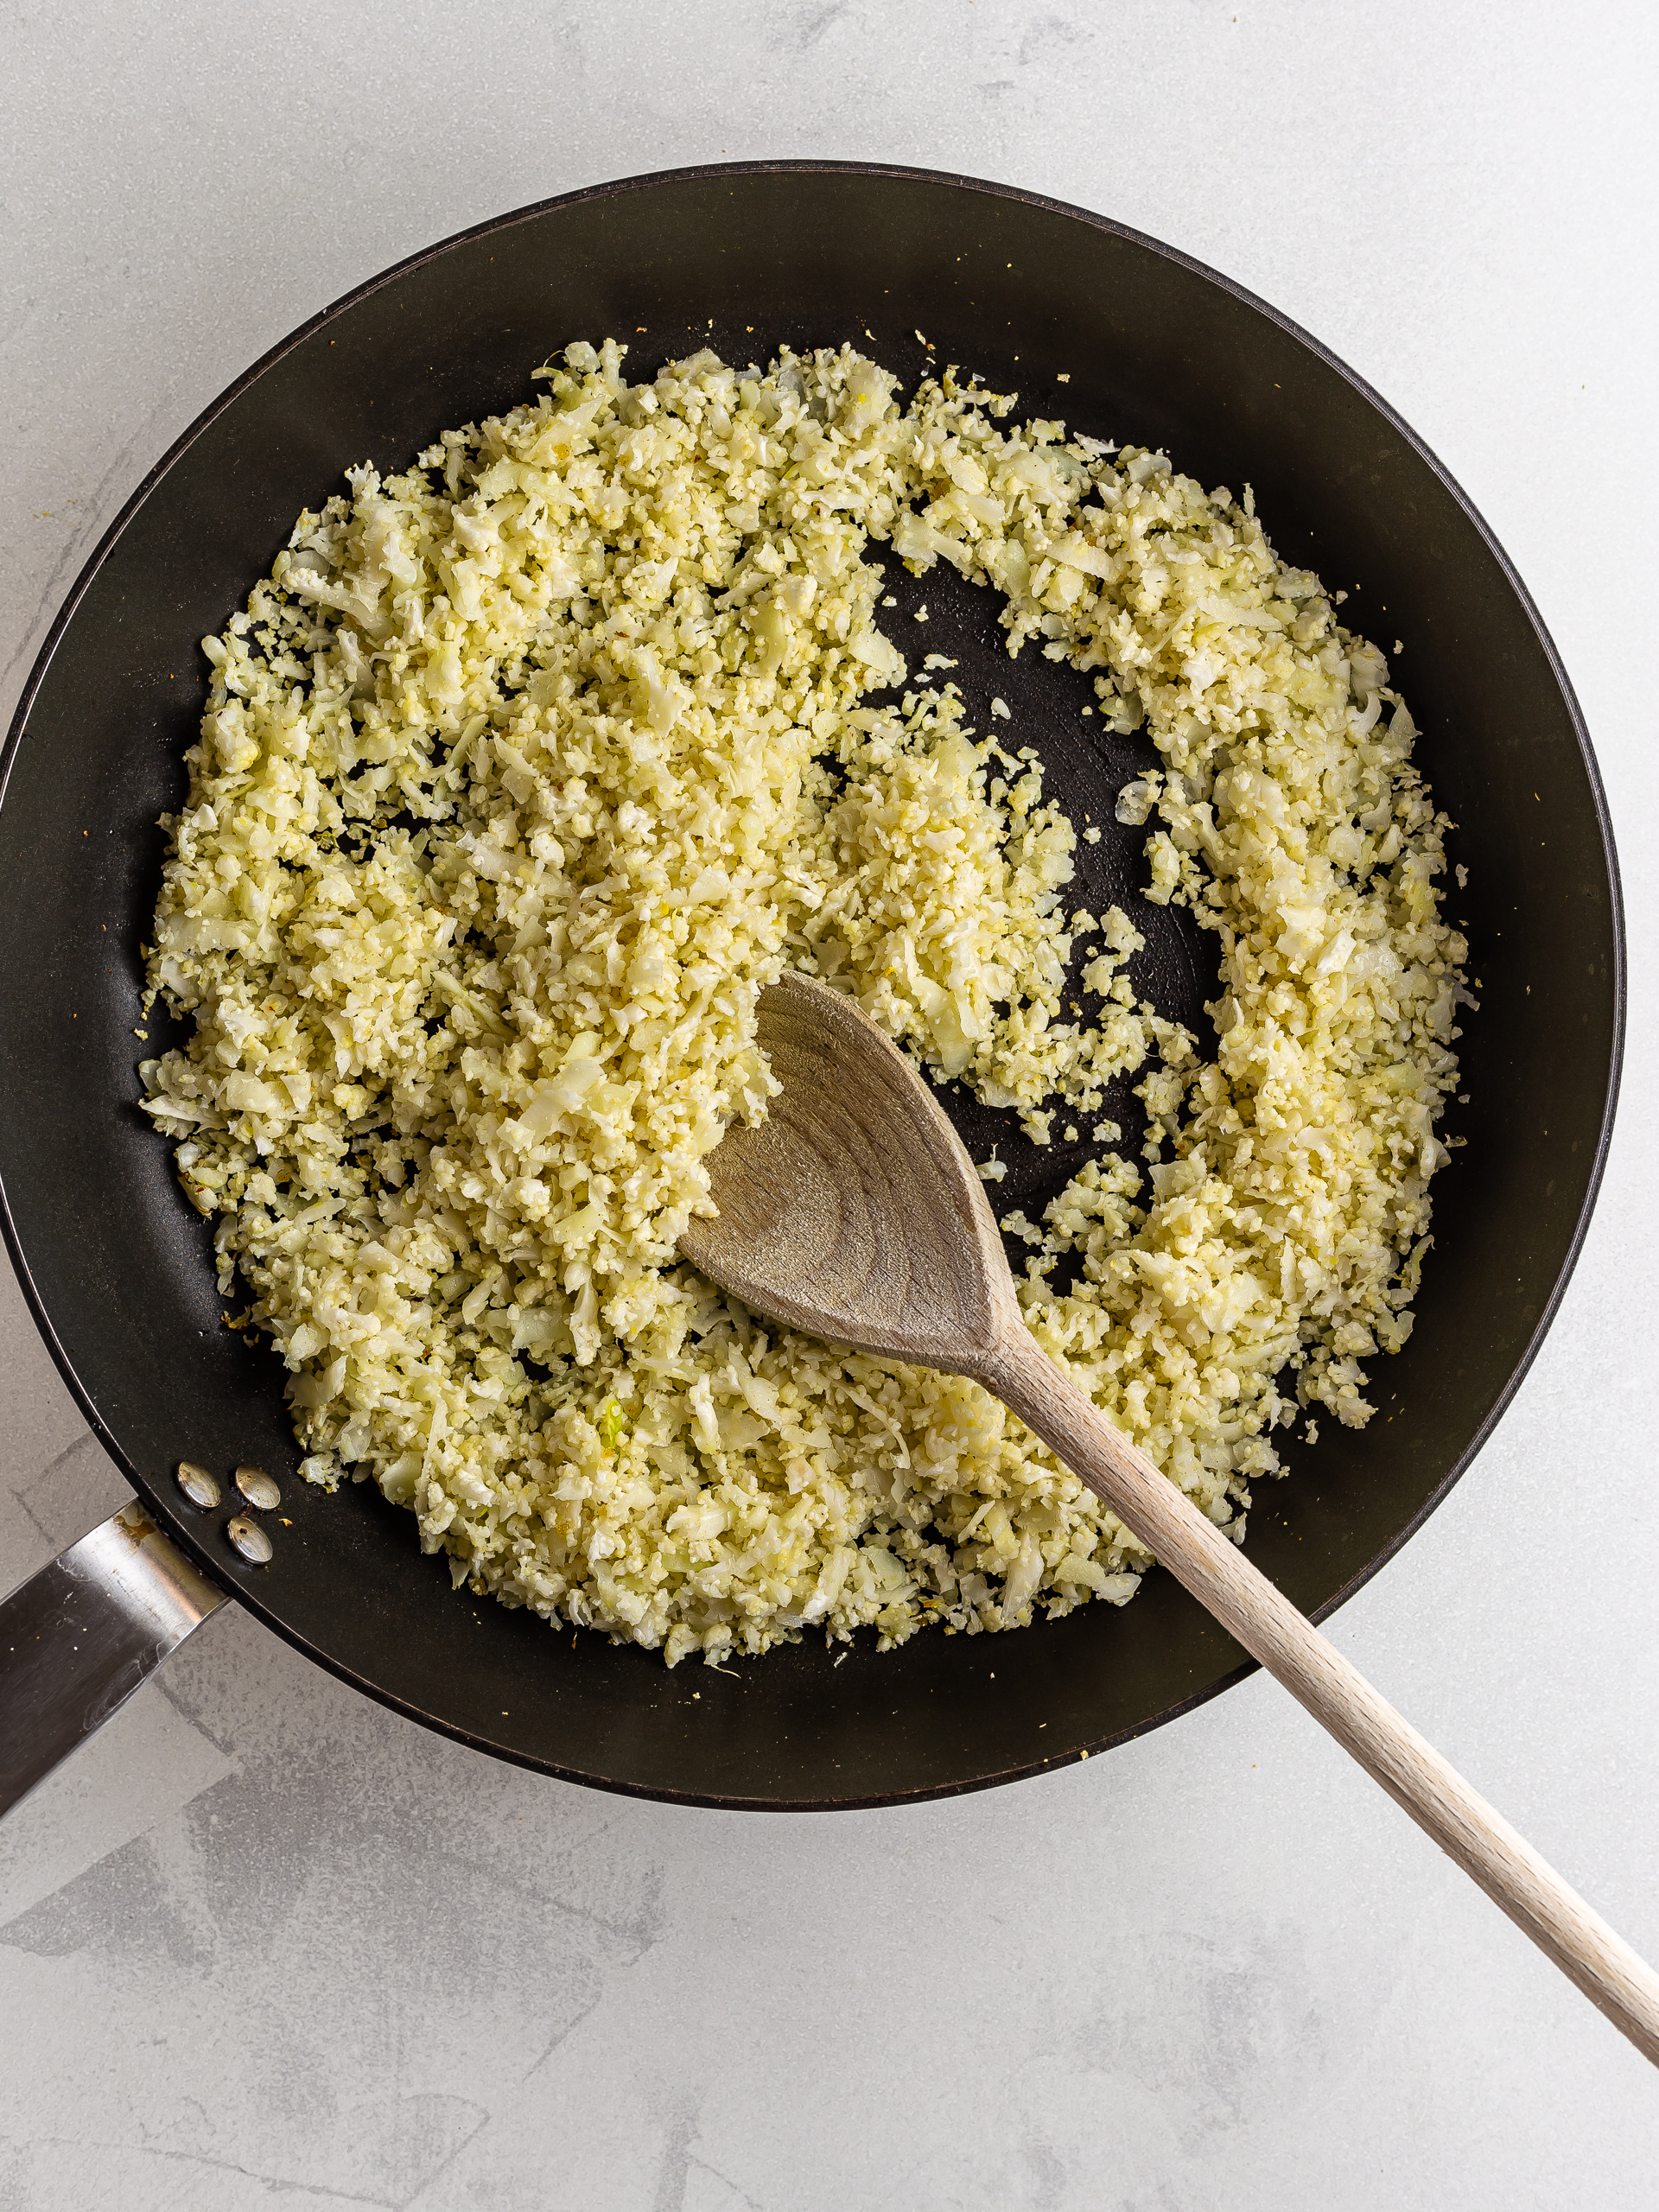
pixel 78 1639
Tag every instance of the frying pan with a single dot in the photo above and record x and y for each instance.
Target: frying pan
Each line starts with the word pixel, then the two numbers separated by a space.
pixel 117 1267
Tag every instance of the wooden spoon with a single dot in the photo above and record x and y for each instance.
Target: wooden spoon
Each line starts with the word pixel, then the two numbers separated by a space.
pixel 853 1212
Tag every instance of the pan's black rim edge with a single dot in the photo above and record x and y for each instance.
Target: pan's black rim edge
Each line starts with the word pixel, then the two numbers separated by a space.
pixel 215 1568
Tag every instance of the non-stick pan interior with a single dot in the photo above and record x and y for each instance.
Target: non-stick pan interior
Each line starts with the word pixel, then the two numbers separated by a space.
pixel 1156 351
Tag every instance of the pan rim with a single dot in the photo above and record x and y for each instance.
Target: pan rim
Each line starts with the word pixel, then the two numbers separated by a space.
pixel 214 1566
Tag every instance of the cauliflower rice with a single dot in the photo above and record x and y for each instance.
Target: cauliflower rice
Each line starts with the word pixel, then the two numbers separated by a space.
pixel 526 771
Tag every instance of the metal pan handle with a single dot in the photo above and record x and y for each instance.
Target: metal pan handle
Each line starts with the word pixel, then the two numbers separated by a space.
pixel 78 1639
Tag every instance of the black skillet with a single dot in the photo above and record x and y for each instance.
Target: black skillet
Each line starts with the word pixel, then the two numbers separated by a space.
pixel 117 1267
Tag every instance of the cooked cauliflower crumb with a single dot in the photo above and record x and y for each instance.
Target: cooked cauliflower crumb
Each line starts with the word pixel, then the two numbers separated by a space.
pixel 526 771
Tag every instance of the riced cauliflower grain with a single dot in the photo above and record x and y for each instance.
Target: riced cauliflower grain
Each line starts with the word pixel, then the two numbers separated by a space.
pixel 526 771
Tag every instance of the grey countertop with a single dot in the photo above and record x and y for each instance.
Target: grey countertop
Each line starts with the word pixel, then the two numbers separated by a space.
pixel 263 1942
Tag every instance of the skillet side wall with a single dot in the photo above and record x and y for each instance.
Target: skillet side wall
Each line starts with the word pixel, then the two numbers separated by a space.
pixel 1158 352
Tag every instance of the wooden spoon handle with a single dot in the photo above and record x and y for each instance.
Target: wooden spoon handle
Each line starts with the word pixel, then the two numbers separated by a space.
pixel 1259 1616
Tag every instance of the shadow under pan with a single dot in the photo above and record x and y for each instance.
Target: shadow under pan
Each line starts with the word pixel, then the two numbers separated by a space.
pixel 1158 351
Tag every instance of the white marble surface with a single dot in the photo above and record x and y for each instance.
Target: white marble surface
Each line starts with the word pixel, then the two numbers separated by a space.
pixel 264 1942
